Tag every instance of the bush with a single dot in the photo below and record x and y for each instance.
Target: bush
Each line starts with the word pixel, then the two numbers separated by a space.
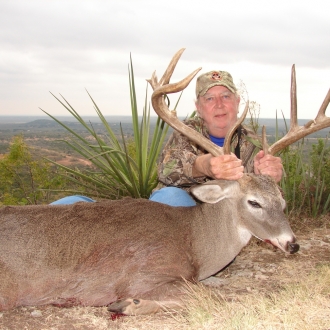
pixel 306 183
pixel 25 179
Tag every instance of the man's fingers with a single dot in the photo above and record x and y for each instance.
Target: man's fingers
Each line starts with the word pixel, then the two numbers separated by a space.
pixel 232 173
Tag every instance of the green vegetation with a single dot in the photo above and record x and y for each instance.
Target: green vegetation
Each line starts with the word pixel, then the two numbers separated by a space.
pixel 306 183
pixel 25 179
pixel 120 168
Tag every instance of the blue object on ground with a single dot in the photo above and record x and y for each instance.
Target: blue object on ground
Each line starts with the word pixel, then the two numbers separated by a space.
pixel 172 196
pixel 72 200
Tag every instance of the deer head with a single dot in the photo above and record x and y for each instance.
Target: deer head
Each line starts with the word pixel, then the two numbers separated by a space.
pixel 295 133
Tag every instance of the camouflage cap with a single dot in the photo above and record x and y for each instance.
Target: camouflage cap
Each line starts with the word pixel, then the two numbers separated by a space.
pixel 214 78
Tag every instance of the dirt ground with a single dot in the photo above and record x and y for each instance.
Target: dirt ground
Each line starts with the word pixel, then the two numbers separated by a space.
pixel 258 269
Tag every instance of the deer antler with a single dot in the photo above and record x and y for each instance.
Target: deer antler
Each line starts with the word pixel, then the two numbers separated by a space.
pixel 297 132
pixel 163 87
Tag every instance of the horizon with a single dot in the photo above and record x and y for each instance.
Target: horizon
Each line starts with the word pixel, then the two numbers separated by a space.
pixel 23 123
pixel 128 118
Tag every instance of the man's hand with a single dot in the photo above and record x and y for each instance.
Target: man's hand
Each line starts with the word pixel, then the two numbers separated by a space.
pixel 268 165
pixel 227 167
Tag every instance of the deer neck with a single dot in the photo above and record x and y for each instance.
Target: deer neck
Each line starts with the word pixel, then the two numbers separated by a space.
pixel 217 223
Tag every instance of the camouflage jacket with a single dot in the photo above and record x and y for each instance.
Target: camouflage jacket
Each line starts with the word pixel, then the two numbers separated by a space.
pixel 177 159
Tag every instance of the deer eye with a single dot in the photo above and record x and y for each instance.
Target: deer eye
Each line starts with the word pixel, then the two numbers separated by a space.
pixel 255 204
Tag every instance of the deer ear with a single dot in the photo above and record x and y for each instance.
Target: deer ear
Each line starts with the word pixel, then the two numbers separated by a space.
pixel 211 193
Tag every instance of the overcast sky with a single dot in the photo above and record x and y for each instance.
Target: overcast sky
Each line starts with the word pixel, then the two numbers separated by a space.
pixel 68 46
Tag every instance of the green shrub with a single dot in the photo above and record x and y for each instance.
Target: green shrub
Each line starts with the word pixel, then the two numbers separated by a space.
pixel 306 181
pixel 25 179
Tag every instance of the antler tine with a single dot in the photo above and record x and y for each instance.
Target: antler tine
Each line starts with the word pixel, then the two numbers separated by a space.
pixel 297 132
pixel 153 81
pixel 175 87
pixel 324 105
pixel 293 95
pixel 170 69
pixel 293 117
pixel 265 146
pixel 226 146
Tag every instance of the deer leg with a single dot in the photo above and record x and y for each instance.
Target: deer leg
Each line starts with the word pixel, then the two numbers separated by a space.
pixel 132 306
pixel 214 281
pixel 162 298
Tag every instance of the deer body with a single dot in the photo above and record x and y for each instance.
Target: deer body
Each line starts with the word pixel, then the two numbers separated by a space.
pixel 134 251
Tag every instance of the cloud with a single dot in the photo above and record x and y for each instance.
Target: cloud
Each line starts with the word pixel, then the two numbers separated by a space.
pixel 66 46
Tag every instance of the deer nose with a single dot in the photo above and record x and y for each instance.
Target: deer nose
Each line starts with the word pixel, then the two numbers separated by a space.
pixel 293 247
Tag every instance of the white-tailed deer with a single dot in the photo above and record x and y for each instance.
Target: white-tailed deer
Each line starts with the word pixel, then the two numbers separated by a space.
pixel 133 253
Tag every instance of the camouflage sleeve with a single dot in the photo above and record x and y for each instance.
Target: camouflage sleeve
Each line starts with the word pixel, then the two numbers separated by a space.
pixel 178 157
pixel 179 154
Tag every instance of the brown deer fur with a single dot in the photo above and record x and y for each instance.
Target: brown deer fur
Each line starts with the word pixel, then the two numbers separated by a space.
pixel 134 252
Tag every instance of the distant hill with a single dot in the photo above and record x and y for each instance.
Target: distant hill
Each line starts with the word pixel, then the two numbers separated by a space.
pixel 36 123
pixel 40 123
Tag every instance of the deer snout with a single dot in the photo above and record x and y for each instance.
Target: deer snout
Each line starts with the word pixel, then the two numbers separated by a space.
pixel 293 248
pixel 286 244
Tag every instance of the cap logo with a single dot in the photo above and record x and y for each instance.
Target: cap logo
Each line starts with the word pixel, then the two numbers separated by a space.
pixel 216 76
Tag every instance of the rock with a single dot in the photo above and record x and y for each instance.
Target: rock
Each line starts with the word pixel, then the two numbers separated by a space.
pixel 36 313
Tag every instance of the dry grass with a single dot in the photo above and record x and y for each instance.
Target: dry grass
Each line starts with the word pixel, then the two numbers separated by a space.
pixel 303 304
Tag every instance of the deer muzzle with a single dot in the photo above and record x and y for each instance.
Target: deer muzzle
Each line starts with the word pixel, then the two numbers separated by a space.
pixel 288 246
pixel 293 248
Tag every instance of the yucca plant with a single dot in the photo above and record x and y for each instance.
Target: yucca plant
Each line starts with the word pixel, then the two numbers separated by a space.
pixel 117 170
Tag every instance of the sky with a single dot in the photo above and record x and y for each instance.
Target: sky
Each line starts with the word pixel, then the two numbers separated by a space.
pixel 68 47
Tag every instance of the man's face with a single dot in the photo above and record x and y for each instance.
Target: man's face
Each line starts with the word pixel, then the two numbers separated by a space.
pixel 219 109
